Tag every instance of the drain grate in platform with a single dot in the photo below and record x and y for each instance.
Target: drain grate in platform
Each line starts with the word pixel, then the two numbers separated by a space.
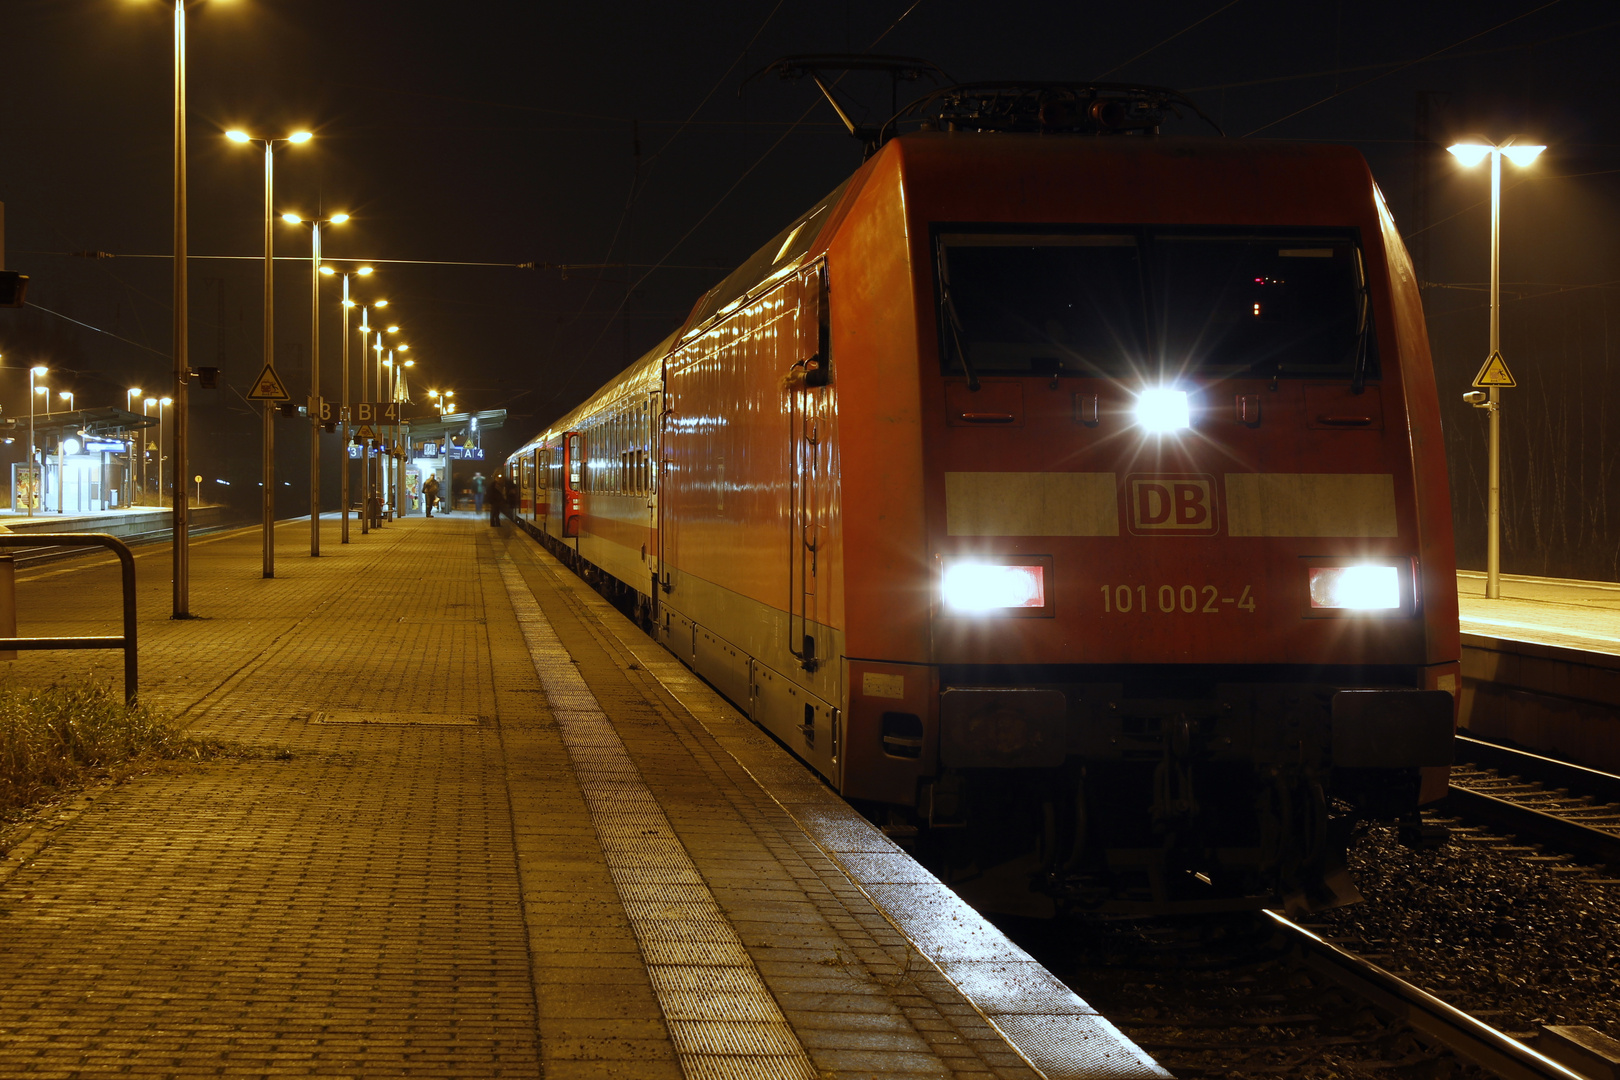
pixel 395 719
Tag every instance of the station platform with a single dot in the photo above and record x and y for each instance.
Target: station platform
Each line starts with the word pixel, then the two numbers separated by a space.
pixel 1560 612
pixel 1541 666
pixel 475 824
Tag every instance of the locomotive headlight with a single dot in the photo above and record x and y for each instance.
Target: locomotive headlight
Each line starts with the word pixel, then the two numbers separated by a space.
pixel 1357 588
pixel 1163 411
pixel 980 587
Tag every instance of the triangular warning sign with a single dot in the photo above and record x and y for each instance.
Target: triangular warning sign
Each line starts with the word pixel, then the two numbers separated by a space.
pixel 365 432
pixel 268 386
pixel 1494 373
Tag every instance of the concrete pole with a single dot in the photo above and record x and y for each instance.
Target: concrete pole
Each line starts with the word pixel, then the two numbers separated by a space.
pixel 315 389
pixel 182 360
pixel 268 509
pixel 1493 506
pixel 343 419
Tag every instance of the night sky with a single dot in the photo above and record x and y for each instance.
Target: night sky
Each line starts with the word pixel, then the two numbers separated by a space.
pixel 505 133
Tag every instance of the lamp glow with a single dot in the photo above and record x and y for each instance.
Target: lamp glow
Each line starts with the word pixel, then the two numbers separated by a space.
pixel 338 219
pixel 1163 411
pixel 1522 155
pixel 237 136
pixel 300 136
pixel 1470 153
pixel 70 446
pixel 41 370
pixel 292 219
pixel 328 271
pixel 1356 588
pixel 977 587
pixel 363 271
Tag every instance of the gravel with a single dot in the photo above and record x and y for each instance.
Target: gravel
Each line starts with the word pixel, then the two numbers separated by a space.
pixel 1517 942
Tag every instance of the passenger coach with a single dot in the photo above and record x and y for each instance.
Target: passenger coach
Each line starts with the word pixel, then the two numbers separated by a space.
pixel 1075 500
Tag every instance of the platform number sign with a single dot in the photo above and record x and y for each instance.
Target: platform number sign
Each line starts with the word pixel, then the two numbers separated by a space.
pixel 376 412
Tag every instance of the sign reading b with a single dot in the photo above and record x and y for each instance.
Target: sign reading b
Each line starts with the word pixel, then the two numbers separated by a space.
pixel 1180 504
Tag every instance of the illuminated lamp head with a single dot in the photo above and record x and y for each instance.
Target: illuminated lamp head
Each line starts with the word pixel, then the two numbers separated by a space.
pixel 1163 411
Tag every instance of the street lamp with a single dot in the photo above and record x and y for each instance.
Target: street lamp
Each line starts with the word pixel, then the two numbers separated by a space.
pixel 1471 151
pixel 315 369
pixel 38 478
pixel 129 406
pixel 160 403
pixel 269 501
pixel 61 454
pixel 365 395
pixel 344 408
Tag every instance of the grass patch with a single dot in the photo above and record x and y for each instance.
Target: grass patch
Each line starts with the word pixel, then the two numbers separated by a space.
pixel 59 738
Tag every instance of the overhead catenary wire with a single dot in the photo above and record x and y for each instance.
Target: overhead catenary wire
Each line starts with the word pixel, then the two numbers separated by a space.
pixel 561 384
pixel 1402 67
pixel 1166 41
pixel 533 265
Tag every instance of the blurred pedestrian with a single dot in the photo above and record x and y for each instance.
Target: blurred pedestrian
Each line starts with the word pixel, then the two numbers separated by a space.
pixel 478 492
pixel 430 494
pixel 497 499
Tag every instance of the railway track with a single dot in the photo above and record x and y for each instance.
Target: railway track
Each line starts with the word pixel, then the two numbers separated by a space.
pixel 1468 1037
pixel 26 557
pixel 1574 809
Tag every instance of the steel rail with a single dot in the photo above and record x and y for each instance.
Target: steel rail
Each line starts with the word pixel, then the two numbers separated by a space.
pixel 127 642
pixel 1578 778
pixel 1528 822
pixel 1464 1035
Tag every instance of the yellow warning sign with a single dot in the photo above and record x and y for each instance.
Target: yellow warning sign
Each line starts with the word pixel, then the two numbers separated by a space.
pixel 1494 373
pixel 268 386
pixel 365 431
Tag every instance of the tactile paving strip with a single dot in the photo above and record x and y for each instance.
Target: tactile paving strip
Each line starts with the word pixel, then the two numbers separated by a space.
pixel 722 1018
pixel 348 716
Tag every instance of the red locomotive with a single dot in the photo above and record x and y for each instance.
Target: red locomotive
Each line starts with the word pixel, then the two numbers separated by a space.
pixel 1075 499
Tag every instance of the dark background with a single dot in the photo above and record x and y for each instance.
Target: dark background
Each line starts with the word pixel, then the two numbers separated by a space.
pixel 509 132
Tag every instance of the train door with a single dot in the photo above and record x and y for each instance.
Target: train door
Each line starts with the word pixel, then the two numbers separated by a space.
pixel 573 477
pixel 809 485
pixel 542 488
pixel 651 421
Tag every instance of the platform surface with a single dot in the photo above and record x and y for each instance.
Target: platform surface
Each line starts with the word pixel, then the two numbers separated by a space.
pixel 476 825
pixel 1581 615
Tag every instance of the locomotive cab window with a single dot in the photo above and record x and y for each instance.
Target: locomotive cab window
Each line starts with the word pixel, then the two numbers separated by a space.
pixel 1153 302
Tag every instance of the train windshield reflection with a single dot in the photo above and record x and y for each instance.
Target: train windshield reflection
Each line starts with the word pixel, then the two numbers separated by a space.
pixel 1152 302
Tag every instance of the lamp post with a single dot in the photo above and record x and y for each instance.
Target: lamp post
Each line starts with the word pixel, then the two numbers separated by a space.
pixel 365 395
pixel 61 455
pixel 315 369
pixel 160 403
pixel 130 397
pixel 344 408
pixel 398 394
pixel 268 510
pixel 38 478
pixel 1471 151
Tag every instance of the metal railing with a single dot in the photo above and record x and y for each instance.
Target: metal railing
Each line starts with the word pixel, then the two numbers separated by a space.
pixel 126 642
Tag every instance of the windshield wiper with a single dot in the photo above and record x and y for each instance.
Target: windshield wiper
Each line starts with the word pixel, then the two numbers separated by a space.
pixel 1358 370
pixel 954 322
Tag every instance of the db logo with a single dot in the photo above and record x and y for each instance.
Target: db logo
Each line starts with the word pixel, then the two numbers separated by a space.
pixel 1178 503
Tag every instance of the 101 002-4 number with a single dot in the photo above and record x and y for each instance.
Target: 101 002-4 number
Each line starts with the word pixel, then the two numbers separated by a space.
pixel 1172 599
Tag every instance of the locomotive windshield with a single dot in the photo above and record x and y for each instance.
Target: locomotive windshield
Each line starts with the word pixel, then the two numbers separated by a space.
pixel 1156 301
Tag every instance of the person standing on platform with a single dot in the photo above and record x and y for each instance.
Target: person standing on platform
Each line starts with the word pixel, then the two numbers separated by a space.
pixel 478 492
pixel 430 494
pixel 497 500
